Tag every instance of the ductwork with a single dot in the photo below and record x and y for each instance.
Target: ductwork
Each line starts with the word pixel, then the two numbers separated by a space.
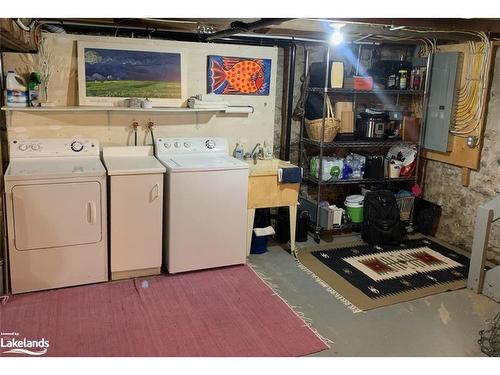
pixel 243 27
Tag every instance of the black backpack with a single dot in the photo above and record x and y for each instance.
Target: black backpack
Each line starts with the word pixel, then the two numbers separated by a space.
pixel 381 220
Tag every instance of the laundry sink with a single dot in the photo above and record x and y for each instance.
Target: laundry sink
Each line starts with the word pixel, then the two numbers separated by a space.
pixel 264 190
pixel 267 167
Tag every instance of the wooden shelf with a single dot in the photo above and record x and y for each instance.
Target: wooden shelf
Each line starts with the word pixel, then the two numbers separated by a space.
pixel 112 109
pixel 374 92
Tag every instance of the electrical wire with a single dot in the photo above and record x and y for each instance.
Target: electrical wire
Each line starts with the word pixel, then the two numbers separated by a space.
pixel 471 95
pixel 22 26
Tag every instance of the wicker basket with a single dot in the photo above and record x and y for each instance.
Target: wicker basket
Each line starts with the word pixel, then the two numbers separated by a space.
pixel 332 125
pixel 405 205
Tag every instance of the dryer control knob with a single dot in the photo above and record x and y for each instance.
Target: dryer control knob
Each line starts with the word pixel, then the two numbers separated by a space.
pixel 167 145
pixel 177 144
pixel 76 146
pixel 210 143
pixel 35 147
pixel 23 147
pixel 187 144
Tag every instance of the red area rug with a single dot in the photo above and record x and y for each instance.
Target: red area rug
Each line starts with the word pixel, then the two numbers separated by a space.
pixel 221 312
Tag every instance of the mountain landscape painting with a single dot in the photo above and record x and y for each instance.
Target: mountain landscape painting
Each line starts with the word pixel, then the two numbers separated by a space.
pixel 132 74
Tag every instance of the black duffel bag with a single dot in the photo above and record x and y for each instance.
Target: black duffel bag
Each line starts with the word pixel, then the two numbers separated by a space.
pixel 381 221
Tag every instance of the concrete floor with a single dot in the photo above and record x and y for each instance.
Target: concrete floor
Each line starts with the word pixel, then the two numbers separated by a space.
pixel 446 324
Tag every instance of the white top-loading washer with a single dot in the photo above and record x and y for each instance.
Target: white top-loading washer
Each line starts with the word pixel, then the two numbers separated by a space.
pixel 55 198
pixel 206 193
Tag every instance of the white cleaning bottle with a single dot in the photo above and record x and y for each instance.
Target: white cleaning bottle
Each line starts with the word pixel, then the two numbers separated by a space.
pixel 16 93
pixel 268 151
pixel 239 152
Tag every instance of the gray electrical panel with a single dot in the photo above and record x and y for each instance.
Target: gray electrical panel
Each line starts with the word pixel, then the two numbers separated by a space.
pixel 441 102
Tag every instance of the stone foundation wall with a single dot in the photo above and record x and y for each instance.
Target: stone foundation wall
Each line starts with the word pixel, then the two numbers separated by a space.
pixel 443 183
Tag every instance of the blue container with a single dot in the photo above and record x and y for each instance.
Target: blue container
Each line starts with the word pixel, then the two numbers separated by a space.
pixel 262 220
pixel 259 244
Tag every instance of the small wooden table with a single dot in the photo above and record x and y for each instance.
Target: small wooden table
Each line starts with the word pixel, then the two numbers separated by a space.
pixel 264 191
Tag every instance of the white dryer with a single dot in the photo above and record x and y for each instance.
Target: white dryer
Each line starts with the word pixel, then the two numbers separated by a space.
pixel 206 193
pixel 55 195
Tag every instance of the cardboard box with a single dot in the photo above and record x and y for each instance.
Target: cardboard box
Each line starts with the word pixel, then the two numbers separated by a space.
pixel 342 107
pixel 411 129
pixel 346 122
pixel 337 75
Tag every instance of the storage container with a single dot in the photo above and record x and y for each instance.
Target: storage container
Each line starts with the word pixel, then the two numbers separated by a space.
pixel 363 83
pixel 354 208
pixel 405 205
pixel 325 214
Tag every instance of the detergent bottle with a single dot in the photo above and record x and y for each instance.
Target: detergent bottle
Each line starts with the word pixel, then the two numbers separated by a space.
pixel 34 89
pixel 16 94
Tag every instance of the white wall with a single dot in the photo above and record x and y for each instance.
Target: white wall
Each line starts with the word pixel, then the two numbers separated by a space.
pixel 115 128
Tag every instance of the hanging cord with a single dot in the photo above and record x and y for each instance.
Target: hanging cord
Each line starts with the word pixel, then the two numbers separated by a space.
pixel 300 108
pixel 151 125
pixel 135 125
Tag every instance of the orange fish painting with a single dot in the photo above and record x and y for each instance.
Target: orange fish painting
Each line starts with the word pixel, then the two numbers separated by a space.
pixel 238 76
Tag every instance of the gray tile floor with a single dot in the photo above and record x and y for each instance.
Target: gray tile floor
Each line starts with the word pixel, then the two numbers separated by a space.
pixel 446 324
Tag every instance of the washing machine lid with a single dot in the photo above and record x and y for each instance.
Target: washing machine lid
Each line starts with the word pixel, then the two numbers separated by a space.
pixel 199 163
pixel 54 167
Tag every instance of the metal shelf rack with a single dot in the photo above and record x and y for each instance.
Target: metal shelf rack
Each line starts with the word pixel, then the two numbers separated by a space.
pixel 358 180
pixel 349 142
pixel 346 142
pixel 367 92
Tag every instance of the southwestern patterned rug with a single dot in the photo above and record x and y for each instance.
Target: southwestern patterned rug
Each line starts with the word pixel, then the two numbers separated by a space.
pixel 370 276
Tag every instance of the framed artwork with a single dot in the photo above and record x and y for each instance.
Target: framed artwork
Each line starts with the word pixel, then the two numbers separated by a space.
pixel 238 75
pixel 109 73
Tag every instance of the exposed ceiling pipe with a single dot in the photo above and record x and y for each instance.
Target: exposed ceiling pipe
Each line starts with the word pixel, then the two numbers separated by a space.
pixel 54 28
pixel 362 38
pixel 243 27
pixel 281 37
pixel 170 20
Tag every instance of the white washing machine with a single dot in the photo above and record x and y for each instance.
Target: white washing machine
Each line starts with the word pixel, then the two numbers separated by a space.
pixel 206 193
pixel 55 195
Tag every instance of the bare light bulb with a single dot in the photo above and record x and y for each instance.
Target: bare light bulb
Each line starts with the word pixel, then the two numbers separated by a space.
pixel 336 37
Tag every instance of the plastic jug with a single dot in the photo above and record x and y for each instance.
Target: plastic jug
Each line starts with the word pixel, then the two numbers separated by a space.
pixel 16 93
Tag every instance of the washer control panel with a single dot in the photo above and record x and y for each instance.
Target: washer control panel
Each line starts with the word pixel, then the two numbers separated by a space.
pixel 191 145
pixel 26 148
